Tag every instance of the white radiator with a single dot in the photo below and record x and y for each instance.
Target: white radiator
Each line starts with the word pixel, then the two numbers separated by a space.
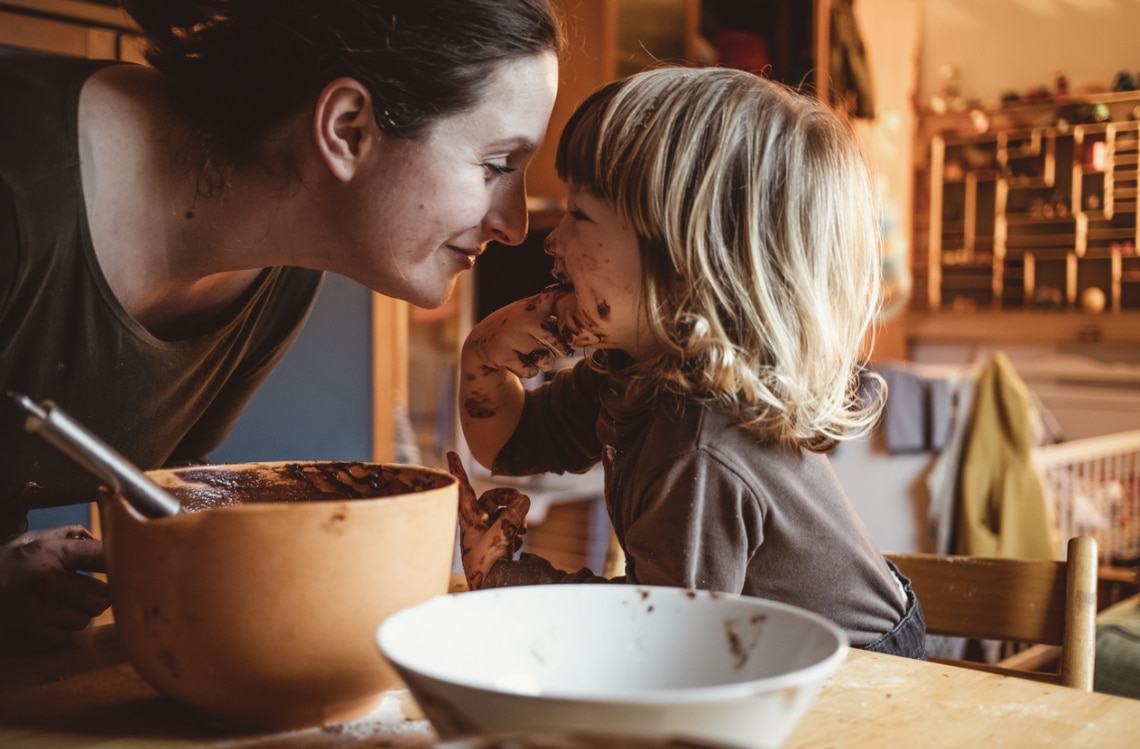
pixel 1092 486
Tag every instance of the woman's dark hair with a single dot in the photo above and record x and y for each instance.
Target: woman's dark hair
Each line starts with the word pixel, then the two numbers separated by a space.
pixel 238 68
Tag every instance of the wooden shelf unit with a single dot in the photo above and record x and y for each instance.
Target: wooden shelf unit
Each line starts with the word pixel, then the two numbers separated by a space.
pixel 70 27
pixel 1030 216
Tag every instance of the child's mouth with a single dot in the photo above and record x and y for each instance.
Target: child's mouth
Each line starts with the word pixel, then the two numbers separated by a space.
pixel 559 273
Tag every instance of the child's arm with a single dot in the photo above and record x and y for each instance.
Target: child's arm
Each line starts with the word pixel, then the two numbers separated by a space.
pixel 517 341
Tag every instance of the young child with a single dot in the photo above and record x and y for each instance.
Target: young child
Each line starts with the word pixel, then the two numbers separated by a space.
pixel 719 261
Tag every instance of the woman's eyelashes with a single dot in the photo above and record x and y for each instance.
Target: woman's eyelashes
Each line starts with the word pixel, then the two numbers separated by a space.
pixel 494 169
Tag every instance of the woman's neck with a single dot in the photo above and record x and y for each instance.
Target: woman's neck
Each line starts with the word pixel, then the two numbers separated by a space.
pixel 174 255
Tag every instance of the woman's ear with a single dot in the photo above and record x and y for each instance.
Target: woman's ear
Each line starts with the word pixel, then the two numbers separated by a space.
pixel 344 126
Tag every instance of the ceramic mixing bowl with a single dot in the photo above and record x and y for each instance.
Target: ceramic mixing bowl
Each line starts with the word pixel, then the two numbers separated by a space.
pixel 651 662
pixel 259 607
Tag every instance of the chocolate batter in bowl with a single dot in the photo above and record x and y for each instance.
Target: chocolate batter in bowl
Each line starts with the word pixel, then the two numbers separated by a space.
pixel 259 604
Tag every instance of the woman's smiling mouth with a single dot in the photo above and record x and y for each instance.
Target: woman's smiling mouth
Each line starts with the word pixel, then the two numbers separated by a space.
pixel 466 255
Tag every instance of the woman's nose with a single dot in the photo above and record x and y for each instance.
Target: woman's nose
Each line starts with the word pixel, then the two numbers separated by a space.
pixel 508 219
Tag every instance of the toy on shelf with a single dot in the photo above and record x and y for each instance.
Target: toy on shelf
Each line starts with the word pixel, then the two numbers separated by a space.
pixel 1038 212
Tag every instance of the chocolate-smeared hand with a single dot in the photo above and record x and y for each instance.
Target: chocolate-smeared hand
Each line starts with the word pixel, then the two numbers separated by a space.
pixel 490 527
pixel 573 326
pixel 524 337
pixel 45 594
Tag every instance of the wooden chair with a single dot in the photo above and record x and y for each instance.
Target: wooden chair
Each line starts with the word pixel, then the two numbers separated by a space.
pixel 1049 603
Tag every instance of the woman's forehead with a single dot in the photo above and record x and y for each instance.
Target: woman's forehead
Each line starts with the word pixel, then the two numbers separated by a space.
pixel 513 112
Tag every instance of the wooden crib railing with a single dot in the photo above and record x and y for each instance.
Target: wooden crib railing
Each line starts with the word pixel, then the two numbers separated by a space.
pixel 1092 487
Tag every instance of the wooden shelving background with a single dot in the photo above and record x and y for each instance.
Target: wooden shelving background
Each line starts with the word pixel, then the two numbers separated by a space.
pixel 1033 213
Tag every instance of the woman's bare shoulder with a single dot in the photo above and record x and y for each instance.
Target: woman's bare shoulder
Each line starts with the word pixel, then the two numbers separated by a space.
pixel 123 96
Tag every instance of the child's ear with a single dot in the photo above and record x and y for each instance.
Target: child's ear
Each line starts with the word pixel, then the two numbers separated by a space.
pixel 344 126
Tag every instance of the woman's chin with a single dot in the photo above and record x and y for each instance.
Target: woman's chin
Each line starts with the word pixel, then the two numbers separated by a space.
pixel 429 296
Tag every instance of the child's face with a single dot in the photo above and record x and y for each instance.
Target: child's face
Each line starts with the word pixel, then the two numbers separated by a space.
pixel 598 254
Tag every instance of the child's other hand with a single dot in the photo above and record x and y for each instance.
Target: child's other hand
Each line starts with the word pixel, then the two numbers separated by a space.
pixel 524 337
pixel 490 527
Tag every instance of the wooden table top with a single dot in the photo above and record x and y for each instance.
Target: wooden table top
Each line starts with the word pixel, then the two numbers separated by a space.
pixel 88 696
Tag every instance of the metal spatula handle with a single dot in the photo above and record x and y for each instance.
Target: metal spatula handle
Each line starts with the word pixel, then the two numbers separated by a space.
pixel 100 459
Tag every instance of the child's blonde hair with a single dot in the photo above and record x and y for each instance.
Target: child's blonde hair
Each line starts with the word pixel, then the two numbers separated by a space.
pixel 758 228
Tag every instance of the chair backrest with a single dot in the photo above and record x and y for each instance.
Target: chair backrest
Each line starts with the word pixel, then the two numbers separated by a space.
pixel 1050 603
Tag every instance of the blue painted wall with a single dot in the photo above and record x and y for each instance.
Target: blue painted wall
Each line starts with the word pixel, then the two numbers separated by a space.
pixel 317 404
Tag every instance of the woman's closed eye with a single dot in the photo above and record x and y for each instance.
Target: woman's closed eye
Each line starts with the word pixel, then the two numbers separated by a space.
pixel 494 169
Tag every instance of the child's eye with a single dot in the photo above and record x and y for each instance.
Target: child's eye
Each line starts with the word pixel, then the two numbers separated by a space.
pixel 496 170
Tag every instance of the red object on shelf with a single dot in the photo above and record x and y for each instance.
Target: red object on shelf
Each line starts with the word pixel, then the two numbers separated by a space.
pixel 741 50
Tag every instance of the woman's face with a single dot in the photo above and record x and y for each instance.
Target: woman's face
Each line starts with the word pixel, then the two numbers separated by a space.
pixel 429 206
pixel 598 255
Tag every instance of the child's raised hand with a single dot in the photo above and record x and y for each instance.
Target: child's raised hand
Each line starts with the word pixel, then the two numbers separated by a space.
pixel 575 328
pixel 511 344
pixel 490 527
pixel 523 337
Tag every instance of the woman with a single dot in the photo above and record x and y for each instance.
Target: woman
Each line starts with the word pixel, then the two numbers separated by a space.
pixel 163 231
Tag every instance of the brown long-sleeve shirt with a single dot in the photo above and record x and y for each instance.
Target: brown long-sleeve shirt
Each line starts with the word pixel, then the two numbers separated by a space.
pixel 699 502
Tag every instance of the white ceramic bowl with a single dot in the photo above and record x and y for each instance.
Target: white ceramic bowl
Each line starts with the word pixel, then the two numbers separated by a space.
pixel 651 662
